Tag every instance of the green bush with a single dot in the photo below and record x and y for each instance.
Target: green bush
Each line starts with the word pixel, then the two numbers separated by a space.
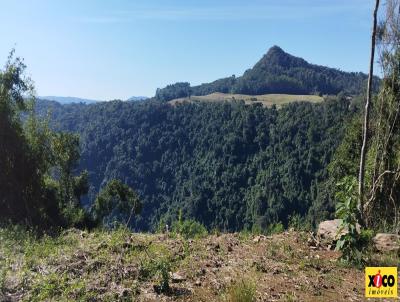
pixel 353 243
pixel 163 268
pixel 256 229
pixel 156 268
pixel 75 216
pixel 299 223
pixel 188 228
pixel 275 228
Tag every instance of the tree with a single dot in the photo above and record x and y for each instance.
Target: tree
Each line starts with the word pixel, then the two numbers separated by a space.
pixel 116 203
pixel 23 197
pixel 174 91
pixel 37 183
pixel 360 204
pixel 384 186
pixel 66 156
pixel 226 165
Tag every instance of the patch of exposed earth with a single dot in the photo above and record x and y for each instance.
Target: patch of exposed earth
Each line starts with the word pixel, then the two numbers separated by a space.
pixel 121 266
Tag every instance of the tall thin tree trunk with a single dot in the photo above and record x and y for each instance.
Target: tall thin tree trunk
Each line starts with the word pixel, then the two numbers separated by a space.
pixel 360 204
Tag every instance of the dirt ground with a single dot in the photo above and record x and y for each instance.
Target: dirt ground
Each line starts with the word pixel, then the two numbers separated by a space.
pixel 121 266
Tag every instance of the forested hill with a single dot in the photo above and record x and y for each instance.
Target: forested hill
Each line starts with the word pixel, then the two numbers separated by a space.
pixel 227 165
pixel 276 72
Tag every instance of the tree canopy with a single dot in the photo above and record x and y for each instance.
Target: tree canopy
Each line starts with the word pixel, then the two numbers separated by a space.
pixel 229 166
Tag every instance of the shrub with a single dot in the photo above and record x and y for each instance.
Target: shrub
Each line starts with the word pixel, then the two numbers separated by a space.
pixel 188 228
pixel 299 223
pixel 353 243
pixel 156 268
pixel 275 228
pixel 256 229
pixel 163 268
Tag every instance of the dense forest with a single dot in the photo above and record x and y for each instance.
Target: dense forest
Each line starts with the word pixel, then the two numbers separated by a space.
pixel 229 166
pixel 277 72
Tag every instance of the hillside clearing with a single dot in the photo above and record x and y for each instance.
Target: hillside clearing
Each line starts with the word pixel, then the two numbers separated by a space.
pixel 124 266
pixel 266 100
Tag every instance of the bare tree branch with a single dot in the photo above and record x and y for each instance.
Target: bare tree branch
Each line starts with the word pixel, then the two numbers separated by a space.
pixel 360 204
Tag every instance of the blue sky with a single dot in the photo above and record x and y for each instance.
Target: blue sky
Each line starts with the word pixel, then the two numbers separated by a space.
pixel 115 49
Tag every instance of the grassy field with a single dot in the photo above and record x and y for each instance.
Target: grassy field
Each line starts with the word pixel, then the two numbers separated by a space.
pixel 266 99
pixel 123 266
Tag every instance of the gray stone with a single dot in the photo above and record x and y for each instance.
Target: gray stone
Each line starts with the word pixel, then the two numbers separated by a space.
pixel 386 242
pixel 329 230
pixel 176 278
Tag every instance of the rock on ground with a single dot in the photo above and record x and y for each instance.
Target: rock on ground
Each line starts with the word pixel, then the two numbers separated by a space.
pixel 387 242
pixel 329 229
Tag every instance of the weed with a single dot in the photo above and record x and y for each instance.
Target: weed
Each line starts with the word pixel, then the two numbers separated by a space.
pixel 351 243
pixel 159 268
pixel 288 250
pixel 186 249
pixel 334 278
pixel 272 250
pixel 289 297
pixel 256 229
pixel 118 238
pixel 48 287
pixel 299 223
pixel 3 276
pixel 146 270
pixel 241 291
pixel 135 288
pixel 245 235
pixel 164 268
pixel 215 231
pixel 386 259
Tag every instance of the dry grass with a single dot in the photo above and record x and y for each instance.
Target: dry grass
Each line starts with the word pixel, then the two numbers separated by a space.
pixel 125 266
pixel 266 100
